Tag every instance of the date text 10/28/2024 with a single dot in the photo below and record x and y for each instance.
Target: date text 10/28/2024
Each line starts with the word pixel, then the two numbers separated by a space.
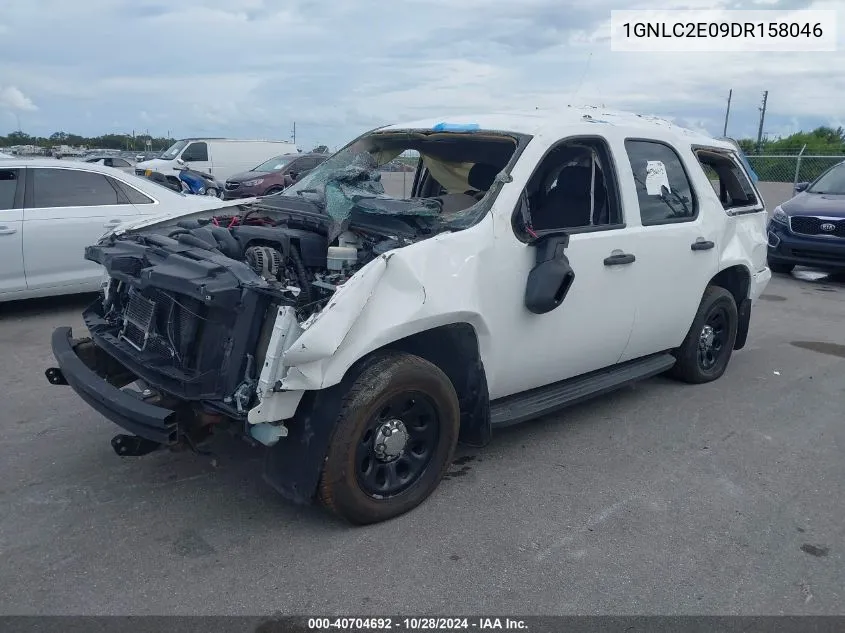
pixel 416 624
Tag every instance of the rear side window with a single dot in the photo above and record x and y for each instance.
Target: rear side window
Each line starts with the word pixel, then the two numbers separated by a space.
pixel 71 188
pixel 133 195
pixel 195 152
pixel 663 188
pixel 729 181
pixel 8 188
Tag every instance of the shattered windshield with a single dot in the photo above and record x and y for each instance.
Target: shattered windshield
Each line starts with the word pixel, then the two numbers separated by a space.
pixel 455 172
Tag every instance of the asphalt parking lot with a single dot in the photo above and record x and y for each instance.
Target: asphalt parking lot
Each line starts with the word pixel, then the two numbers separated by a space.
pixel 662 498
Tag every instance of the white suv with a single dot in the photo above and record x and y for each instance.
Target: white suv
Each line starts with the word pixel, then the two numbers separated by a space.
pixel 540 260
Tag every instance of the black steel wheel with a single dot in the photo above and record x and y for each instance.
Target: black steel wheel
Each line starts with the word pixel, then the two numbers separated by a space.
pixel 397 445
pixel 707 348
pixel 393 439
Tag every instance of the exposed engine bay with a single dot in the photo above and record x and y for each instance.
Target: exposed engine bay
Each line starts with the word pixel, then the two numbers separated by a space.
pixel 189 307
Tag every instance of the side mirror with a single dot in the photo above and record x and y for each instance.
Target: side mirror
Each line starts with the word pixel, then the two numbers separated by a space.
pixel 801 186
pixel 552 276
pixel 293 174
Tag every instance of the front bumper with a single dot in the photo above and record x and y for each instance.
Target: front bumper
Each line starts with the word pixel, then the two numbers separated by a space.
pixel 786 247
pixel 140 418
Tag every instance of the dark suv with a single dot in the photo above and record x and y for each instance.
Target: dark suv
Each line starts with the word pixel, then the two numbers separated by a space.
pixel 271 176
pixel 809 229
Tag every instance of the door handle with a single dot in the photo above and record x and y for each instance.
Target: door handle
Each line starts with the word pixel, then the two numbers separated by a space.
pixel 700 244
pixel 5 230
pixel 111 224
pixel 619 259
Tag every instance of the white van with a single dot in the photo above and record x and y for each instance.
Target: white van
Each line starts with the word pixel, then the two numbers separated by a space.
pixel 220 157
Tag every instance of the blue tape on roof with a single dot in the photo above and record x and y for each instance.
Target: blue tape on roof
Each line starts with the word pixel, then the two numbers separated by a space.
pixel 455 127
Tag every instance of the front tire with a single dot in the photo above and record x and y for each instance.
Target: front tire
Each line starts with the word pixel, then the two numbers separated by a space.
pixel 394 438
pixel 707 348
pixel 211 191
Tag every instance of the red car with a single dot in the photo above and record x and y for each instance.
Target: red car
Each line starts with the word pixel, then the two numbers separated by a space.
pixel 271 176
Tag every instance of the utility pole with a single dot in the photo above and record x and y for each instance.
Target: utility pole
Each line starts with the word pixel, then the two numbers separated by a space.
pixel 762 118
pixel 293 133
pixel 727 113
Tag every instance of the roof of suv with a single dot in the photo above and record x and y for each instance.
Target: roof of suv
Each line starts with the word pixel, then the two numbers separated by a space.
pixel 566 121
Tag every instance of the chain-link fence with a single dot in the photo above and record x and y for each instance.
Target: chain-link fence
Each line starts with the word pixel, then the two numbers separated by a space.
pixel 792 166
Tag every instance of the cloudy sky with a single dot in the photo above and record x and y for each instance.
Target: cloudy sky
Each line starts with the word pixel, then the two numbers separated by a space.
pixel 250 68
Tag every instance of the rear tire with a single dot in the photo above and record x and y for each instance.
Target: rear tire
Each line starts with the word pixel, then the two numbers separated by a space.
pixel 394 438
pixel 707 348
pixel 780 268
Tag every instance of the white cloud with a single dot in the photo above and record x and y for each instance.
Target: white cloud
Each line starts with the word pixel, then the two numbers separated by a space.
pixel 253 67
pixel 13 99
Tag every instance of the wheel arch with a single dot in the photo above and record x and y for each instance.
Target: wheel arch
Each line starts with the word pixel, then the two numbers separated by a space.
pixel 293 466
pixel 736 279
pixel 454 348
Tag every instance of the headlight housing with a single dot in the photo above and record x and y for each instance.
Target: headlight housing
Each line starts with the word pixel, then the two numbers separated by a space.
pixel 779 216
pixel 252 183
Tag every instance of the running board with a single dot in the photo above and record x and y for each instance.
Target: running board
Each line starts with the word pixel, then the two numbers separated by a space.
pixel 538 402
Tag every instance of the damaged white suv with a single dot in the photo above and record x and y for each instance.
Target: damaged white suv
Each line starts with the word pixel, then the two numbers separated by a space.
pixel 539 260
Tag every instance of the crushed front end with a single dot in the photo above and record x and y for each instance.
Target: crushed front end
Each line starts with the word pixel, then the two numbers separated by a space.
pixel 178 339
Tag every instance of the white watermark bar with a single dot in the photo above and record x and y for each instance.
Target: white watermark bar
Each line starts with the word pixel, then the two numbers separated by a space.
pixel 717 30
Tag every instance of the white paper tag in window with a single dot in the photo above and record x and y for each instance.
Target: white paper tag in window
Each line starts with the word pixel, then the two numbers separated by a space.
pixel 655 177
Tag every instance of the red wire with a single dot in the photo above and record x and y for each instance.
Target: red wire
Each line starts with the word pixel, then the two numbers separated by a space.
pixel 530 231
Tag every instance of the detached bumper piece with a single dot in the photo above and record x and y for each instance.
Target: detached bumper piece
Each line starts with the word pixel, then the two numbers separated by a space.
pixel 150 422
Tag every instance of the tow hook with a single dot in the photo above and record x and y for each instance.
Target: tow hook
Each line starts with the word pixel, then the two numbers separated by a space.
pixel 132 445
pixel 55 376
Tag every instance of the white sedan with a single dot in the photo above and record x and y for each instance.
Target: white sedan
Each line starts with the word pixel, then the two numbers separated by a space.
pixel 50 210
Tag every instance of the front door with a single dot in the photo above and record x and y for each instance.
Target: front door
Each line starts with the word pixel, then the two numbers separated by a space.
pixel 65 211
pixel 574 190
pixel 12 277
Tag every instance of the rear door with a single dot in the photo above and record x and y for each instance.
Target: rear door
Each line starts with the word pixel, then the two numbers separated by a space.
pixel 677 243
pixel 12 278
pixel 66 210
